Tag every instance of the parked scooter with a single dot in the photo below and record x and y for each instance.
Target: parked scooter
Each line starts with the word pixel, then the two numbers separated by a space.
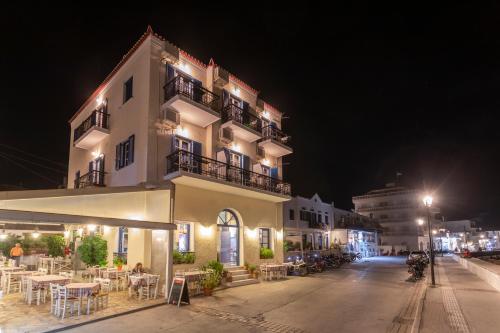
pixel 416 267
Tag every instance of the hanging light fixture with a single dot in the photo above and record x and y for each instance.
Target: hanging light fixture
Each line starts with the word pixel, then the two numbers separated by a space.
pixel 35 233
pixel 3 235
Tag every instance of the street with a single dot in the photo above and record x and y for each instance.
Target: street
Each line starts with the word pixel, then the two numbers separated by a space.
pixel 367 296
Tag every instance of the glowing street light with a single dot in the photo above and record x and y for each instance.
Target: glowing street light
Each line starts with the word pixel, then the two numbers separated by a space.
pixel 428 203
pixel 420 221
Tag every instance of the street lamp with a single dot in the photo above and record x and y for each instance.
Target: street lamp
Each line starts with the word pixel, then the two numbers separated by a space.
pixel 428 202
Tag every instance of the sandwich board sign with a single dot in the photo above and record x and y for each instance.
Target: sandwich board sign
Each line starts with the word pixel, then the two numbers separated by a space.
pixel 178 292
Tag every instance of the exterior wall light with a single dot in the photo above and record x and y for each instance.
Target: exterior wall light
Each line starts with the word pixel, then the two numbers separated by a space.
pixel 251 233
pixel 205 231
pixel 3 235
pixel 182 131
pixel 99 100
pixel 236 91
pixel 235 147
pixel 35 233
pixel 265 114
pixel 434 232
pixel 80 232
pixel 66 234
pixel 92 227
pixel 420 221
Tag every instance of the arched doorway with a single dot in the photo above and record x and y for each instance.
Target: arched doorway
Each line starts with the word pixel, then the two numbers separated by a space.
pixel 229 238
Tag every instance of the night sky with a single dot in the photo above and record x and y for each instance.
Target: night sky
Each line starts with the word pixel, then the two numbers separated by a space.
pixel 368 91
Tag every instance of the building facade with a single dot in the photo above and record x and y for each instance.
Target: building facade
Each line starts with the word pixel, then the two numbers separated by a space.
pixel 165 119
pixel 356 233
pixel 308 223
pixel 397 209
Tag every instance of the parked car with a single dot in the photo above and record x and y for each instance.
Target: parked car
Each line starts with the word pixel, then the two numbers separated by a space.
pixel 422 254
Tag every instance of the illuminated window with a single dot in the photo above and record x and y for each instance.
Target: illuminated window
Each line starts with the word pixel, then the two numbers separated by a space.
pixel 183 239
pixel 264 238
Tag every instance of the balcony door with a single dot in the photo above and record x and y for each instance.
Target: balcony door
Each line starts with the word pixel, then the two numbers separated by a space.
pixel 190 158
pixel 96 171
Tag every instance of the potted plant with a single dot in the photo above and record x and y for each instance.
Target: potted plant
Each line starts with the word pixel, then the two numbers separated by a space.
pixel 253 270
pixel 266 253
pixel 210 282
pixel 118 262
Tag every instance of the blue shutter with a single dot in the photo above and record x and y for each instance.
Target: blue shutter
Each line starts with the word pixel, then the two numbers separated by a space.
pixel 131 149
pixel 246 162
pixel 117 159
pixel 91 166
pixel 228 157
pixel 170 73
pixel 274 173
pixel 245 106
pixel 196 146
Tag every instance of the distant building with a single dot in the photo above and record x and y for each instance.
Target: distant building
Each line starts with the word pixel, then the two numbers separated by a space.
pixel 308 222
pixel 397 209
pixel 354 232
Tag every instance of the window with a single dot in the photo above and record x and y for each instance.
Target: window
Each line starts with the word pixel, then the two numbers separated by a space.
pixel 326 219
pixel 128 87
pixel 183 237
pixel 125 153
pixel 320 218
pixel 264 237
pixel 292 214
pixel 122 240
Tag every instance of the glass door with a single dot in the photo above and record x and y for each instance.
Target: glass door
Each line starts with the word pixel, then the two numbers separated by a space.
pixel 229 235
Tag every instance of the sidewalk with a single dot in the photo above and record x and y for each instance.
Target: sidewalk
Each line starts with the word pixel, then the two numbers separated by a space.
pixel 461 302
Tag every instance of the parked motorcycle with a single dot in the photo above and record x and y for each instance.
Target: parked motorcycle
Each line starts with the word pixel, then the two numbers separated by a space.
pixel 416 267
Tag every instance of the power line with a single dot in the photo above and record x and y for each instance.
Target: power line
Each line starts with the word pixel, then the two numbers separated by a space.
pixel 33 155
pixel 32 162
pixel 28 169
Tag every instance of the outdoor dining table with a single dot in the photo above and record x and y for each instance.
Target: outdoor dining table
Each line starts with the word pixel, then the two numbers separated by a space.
pixel 44 281
pixel 10 269
pixel 195 277
pixel 137 280
pixel 84 289
pixel 5 280
pixel 275 268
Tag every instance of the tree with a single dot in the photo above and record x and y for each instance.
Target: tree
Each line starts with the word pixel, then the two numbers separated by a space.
pixel 94 251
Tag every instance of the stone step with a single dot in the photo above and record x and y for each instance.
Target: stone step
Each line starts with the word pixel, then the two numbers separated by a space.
pixel 242 283
pixel 240 277
pixel 238 272
pixel 234 268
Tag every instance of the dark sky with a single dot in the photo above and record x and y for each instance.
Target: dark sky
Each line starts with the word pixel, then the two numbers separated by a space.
pixel 369 91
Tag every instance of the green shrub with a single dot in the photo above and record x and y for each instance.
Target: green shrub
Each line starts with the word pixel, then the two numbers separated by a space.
pixel 252 268
pixel 216 266
pixel 118 261
pixel 93 251
pixel 210 281
pixel 266 253
pixel 184 257
pixel 55 245
pixel 287 246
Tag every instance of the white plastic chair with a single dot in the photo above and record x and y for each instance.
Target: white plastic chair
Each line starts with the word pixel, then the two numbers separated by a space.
pixel 65 301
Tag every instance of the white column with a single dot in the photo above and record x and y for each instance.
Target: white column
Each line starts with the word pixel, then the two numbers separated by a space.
pixel 169 262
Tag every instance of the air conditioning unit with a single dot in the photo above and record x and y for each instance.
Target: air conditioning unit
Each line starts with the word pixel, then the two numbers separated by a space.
pixel 171 117
pixel 226 135
pixel 261 152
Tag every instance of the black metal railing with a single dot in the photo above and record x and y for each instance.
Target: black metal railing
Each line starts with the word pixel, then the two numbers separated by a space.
pixel 98 118
pixel 271 132
pixel 184 86
pixel 92 178
pixel 234 112
pixel 187 161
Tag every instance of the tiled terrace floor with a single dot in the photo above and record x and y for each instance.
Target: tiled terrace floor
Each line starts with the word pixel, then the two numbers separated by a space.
pixel 17 316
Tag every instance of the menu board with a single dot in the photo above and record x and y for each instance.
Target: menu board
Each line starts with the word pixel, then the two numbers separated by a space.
pixel 178 292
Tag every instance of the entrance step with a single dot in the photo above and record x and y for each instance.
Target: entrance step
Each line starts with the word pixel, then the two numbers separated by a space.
pixel 239 277
pixel 237 272
pixel 234 268
pixel 240 283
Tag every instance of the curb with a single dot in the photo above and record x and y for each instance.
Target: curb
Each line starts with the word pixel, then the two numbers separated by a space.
pixel 415 328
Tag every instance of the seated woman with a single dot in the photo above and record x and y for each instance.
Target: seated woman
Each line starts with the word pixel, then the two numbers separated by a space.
pixel 138 269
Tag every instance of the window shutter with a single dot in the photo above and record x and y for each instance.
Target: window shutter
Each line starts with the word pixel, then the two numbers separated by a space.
pixel 228 158
pixel 170 73
pixel 196 148
pixel 245 106
pixel 274 173
pixel 225 98
pixel 122 155
pixel 246 162
pixel 91 166
pixel 131 149
pixel 117 159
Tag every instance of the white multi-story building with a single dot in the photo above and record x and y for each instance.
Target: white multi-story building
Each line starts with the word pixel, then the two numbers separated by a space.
pixel 356 233
pixel 308 223
pixel 162 118
pixel 397 209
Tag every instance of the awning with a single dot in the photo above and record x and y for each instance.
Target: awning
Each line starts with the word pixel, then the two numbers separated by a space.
pixel 21 216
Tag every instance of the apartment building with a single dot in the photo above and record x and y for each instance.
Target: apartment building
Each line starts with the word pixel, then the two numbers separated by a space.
pixel 308 223
pixel 163 119
pixel 397 209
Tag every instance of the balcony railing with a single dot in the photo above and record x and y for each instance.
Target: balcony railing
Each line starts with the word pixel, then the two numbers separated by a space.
pixel 98 118
pixel 182 160
pixel 93 178
pixel 181 85
pixel 271 132
pixel 237 114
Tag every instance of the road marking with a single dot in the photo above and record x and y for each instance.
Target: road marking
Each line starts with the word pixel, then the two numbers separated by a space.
pixel 455 316
pixel 257 321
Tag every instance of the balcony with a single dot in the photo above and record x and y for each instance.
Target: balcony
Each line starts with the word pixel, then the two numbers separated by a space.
pixel 194 103
pixel 91 179
pixel 275 142
pixel 244 125
pixel 92 130
pixel 193 170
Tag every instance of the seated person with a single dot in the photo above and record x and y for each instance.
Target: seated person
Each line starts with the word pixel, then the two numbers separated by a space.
pixel 138 269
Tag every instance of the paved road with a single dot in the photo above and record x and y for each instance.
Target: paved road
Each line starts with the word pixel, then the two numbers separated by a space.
pixel 361 297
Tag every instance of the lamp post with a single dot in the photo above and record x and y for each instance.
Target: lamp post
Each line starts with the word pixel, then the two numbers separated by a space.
pixel 428 202
pixel 420 223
